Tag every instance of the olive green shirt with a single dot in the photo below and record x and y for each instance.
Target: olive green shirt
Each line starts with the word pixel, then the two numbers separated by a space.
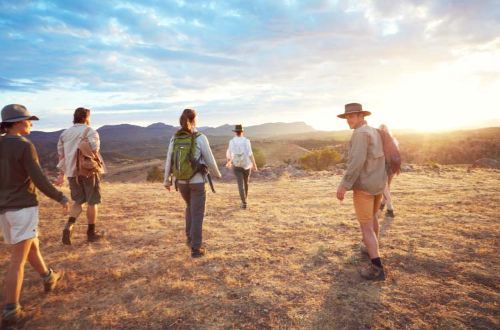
pixel 366 162
pixel 20 173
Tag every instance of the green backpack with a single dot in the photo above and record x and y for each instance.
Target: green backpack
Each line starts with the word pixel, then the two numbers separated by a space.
pixel 184 166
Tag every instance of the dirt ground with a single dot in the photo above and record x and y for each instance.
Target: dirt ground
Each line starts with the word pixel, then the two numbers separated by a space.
pixel 290 261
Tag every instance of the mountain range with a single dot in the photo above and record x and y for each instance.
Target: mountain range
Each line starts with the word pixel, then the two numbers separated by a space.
pixel 127 141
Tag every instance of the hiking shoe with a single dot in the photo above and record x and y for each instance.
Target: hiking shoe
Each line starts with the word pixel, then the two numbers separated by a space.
pixel 11 316
pixel 67 234
pixel 389 213
pixel 50 281
pixel 93 237
pixel 197 253
pixel 373 273
pixel 243 206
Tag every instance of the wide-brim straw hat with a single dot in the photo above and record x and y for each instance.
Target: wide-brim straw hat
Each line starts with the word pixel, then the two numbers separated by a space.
pixel 353 108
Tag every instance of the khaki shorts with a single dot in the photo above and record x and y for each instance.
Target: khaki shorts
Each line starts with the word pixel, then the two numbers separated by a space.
pixel 366 205
pixel 19 225
pixel 85 190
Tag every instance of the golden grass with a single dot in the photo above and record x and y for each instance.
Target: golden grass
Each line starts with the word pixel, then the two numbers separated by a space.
pixel 288 262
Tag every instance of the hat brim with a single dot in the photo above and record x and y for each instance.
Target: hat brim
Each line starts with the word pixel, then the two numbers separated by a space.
pixel 238 130
pixel 344 115
pixel 15 120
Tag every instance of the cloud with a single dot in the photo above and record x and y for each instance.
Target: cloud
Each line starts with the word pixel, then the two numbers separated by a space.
pixel 240 56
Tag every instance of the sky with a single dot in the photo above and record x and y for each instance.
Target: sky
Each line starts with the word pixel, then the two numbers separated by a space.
pixel 425 65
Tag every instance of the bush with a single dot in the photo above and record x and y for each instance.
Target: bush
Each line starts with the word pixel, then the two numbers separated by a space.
pixel 155 175
pixel 260 159
pixel 320 159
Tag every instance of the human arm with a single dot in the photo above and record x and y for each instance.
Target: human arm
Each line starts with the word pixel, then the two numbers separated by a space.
pixel 61 163
pixel 167 181
pixel 252 158
pixel 32 167
pixel 228 154
pixel 357 157
pixel 208 156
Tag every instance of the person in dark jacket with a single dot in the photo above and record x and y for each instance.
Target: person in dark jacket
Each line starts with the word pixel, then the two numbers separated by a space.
pixel 20 175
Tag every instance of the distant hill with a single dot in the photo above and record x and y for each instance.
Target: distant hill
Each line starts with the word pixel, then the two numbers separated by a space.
pixel 263 131
pixel 132 142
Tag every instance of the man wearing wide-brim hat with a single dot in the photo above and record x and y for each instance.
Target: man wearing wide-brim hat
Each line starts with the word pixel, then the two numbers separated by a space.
pixel 240 156
pixel 366 176
pixel 20 173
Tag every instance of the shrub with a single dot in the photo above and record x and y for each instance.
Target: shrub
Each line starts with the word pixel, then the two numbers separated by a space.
pixel 320 159
pixel 260 159
pixel 155 175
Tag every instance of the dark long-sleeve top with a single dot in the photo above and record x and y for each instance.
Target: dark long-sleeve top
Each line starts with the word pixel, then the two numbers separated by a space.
pixel 21 174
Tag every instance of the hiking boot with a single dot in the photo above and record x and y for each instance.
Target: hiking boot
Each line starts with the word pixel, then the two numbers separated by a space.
pixel 11 317
pixel 93 237
pixel 372 272
pixel 67 234
pixel 50 281
pixel 197 253
pixel 389 213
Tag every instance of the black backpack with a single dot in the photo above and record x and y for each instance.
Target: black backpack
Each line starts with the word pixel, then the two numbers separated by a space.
pixel 391 153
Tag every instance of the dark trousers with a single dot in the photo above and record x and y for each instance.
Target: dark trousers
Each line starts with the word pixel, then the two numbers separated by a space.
pixel 242 176
pixel 194 195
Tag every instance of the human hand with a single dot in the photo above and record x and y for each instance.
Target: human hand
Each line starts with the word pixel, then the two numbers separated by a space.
pixel 341 190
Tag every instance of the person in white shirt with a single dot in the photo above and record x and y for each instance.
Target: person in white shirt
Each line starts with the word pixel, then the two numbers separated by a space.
pixel 83 189
pixel 240 157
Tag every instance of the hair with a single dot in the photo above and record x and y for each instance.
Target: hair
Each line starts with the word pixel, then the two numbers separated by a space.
pixel 187 120
pixel 81 115
pixel 384 128
pixel 5 126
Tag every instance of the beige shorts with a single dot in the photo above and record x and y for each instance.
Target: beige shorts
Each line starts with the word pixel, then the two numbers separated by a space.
pixel 366 205
pixel 19 225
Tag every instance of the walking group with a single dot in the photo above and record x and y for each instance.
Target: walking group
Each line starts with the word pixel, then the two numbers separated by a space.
pixel 189 166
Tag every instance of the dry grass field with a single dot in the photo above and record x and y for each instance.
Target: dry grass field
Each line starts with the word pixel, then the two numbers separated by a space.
pixel 288 262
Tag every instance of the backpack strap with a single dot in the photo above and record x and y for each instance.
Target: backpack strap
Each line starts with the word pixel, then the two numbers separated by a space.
pixel 84 134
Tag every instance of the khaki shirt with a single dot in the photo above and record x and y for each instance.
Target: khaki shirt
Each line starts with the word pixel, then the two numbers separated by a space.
pixel 366 162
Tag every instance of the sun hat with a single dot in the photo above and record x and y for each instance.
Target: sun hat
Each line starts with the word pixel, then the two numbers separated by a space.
pixel 238 128
pixel 16 112
pixel 353 108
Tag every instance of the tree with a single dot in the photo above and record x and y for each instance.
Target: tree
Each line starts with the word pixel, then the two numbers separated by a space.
pixel 320 159
pixel 260 159
pixel 155 175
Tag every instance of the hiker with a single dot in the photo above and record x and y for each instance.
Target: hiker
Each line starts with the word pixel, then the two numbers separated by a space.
pixel 84 187
pixel 190 162
pixel 366 176
pixel 386 198
pixel 20 173
pixel 240 156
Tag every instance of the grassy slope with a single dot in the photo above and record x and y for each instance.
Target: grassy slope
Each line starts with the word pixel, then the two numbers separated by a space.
pixel 288 262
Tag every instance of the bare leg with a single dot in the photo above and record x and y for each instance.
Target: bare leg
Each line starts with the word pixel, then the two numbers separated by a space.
pixel 15 273
pixel 75 211
pixel 35 258
pixel 370 239
pixel 91 214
